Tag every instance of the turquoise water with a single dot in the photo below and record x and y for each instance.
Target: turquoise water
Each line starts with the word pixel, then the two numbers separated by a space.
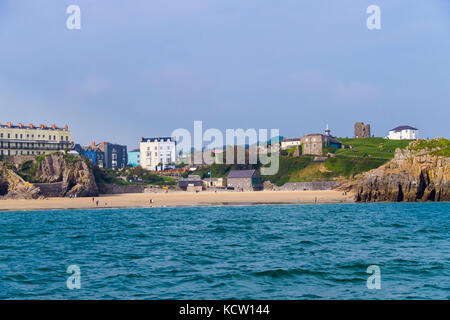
pixel 248 252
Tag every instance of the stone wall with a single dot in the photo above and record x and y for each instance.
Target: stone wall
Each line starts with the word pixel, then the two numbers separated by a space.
pixel 299 186
pixel 241 183
pixel 50 189
pixel 17 161
pixel 116 189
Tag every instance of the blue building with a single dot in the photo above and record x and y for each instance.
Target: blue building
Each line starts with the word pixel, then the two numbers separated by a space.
pixel 105 154
pixel 134 158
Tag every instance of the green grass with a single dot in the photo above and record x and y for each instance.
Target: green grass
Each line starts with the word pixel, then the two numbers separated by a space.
pixel 290 170
pixel 379 148
pixel 350 166
pixel 28 171
pixel 441 143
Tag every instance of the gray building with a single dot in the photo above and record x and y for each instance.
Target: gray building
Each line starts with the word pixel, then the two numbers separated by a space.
pixel 244 180
pixel 191 183
pixel 116 155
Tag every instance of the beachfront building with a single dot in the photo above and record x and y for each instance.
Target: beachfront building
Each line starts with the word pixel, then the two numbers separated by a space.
pixel 214 182
pixel 244 180
pixel 314 143
pixel 290 143
pixel 32 140
pixel 134 158
pixel 158 153
pixel 193 183
pixel 105 154
pixel 403 133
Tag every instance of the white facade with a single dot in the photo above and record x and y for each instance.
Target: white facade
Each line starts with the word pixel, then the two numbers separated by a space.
pixel 403 133
pixel 156 151
pixel 289 143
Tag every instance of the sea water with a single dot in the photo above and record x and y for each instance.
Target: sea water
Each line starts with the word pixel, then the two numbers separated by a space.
pixel 228 252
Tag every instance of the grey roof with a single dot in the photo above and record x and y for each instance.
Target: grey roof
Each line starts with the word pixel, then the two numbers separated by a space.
pixel 241 173
pixel 186 183
pixel 400 128
pixel 159 139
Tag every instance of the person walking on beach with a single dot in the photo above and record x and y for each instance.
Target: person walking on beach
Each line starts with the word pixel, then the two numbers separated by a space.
pixel 96 203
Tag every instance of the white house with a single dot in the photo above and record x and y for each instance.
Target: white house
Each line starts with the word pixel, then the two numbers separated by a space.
pixel 157 151
pixel 403 133
pixel 289 143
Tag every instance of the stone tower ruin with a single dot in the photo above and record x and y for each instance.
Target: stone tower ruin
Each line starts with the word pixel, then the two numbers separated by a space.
pixel 362 130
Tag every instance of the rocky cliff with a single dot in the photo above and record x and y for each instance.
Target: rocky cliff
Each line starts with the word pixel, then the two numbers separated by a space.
pixel 12 186
pixel 72 176
pixel 421 172
pixel 75 174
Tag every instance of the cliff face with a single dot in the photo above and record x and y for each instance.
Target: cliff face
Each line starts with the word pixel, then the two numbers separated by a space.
pixel 413 175
pixel 65 176
pixel 12 186
pixel 75 175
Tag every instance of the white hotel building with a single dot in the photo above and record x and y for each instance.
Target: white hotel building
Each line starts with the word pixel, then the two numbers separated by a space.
pixel 158 153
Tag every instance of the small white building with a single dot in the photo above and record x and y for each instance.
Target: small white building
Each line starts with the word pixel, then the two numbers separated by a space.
pixel 403 133
pixel 157 153
pixel 289 143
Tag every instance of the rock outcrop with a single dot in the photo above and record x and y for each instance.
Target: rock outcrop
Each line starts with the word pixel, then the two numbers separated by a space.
pixel 12 186
pixel 73 172
pixel 413 175
pixel 58 176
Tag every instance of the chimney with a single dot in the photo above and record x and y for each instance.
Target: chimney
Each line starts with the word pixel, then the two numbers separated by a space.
pixel 20 125
pixel 66 127
pixel 9 124
pixel 93 144
pixel 43 126
pixel 31 126
pixel 54 126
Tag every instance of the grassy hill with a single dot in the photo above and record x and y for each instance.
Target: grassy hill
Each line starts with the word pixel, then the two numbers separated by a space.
pixel 379 148
pixel 361 155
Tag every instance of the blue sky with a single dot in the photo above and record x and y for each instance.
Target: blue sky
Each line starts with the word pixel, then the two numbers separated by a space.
pixel 146 67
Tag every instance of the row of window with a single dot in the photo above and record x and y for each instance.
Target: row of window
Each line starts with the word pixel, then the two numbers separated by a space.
pixel 161 148
pixel 21 152
pixel 31 145
pixel 20 136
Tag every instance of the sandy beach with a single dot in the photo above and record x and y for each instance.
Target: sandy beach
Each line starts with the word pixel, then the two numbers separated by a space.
pixel 179 198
